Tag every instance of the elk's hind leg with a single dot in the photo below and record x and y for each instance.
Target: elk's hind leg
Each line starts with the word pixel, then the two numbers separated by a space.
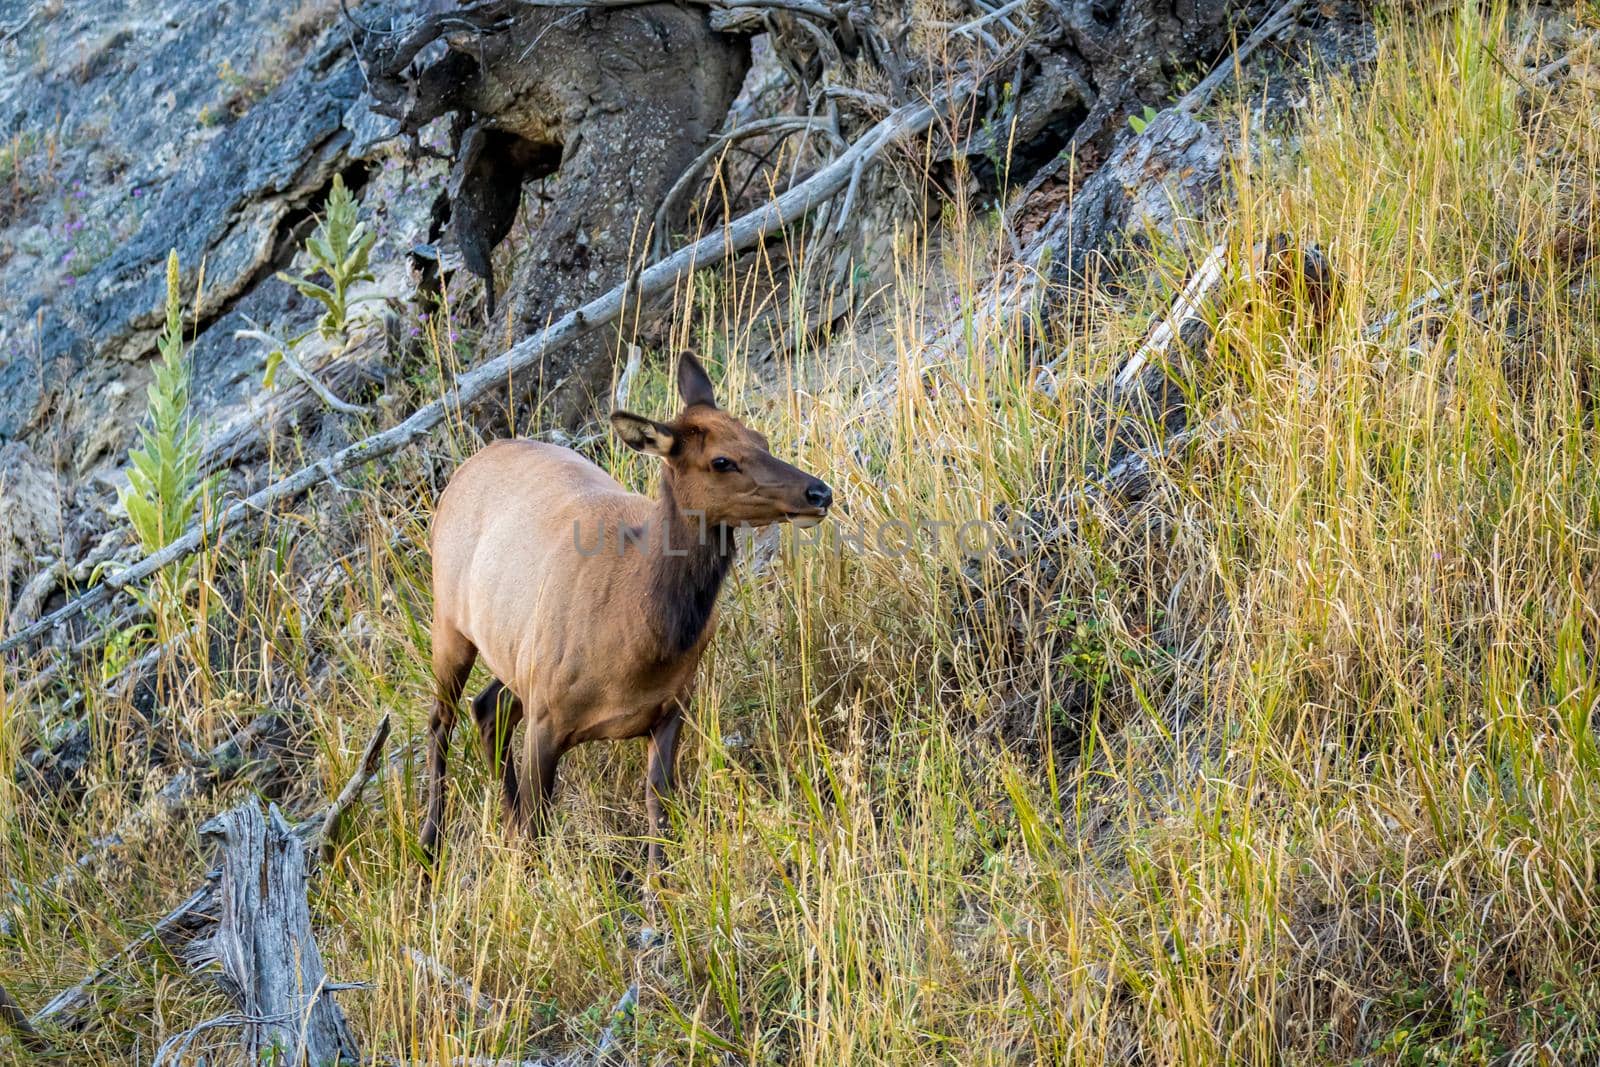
pixel 497 711
pixel 453 656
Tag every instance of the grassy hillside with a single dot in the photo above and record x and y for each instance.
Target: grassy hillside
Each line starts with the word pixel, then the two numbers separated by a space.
pixel 1297 763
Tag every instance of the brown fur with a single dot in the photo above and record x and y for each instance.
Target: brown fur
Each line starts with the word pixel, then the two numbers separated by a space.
pixel 592 605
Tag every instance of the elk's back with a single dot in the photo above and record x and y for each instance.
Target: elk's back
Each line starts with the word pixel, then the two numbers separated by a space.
pixel 513 564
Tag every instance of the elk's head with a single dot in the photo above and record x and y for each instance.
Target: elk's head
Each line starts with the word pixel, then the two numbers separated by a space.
pixel 720 468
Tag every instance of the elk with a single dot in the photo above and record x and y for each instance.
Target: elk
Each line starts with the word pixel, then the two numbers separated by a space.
pixel 592 605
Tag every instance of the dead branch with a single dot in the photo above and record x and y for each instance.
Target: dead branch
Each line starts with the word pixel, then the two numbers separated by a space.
pixel 1129 478
pixel 172 1049
pixel 298 369
pixel 630 371
pixel 997 15
pixel 1190 305
pixel 35 592
pixel 223 764
pixel 121 682
pixel 741 234
pixel 484 1007
pixel 781 125
pixel 325 836
pixel 1269 28
pixel 1380 331
pixel 66 1004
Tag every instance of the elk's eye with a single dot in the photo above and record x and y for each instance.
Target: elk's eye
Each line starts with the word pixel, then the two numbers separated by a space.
pixel 722 465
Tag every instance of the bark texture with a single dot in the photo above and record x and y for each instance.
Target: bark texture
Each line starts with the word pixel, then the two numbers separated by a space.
pixel 609 105
pixel 264 943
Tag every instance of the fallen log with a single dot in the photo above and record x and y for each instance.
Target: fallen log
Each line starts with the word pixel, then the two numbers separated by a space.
pixel 741 234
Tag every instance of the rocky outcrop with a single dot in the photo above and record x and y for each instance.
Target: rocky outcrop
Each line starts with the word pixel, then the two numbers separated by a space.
pixel 140 128
pixel 32 515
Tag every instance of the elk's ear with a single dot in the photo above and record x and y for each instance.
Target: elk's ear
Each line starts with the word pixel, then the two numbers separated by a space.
pixel 694 385
pixel 642 434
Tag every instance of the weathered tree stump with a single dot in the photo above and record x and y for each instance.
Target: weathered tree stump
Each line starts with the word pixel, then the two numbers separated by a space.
pixel 264 943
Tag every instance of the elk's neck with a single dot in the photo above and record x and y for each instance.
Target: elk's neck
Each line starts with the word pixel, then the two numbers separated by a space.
pixel 688 561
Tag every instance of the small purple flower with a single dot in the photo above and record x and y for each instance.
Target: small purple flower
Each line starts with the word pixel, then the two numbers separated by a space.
pixel 137 193
pixel 66 257
pixel 69 281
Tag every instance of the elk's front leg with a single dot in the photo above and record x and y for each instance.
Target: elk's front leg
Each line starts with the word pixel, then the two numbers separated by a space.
pixel 659 778
pixel 453 656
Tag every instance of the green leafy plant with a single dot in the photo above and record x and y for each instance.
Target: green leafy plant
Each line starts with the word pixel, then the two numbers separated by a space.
pixel 1141 121
pixel 165 486
pixel 122 648
pixel 339 248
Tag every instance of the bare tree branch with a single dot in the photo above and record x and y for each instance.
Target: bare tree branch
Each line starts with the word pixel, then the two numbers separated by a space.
pixel 1269 28
pixel 781 125
pixel 326 834
pixel 298 369
pixel 69 1001
pixel 484 1007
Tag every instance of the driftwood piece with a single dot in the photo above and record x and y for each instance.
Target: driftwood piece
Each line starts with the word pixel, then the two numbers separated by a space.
pixel 741 234
pixel 264 943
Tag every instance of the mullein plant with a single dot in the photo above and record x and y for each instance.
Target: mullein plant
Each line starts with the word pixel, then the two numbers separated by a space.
pixel 166 487
pixel 340 247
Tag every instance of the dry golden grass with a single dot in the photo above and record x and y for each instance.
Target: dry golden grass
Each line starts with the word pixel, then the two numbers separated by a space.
pixel 1300 766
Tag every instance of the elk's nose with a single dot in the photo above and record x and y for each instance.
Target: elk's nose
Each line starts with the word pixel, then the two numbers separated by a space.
pixel 818 495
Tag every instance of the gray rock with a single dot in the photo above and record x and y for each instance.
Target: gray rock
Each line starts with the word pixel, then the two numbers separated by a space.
pixel 209 128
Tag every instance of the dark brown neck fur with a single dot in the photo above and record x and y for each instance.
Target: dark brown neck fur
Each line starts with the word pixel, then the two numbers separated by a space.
pixel 684 581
